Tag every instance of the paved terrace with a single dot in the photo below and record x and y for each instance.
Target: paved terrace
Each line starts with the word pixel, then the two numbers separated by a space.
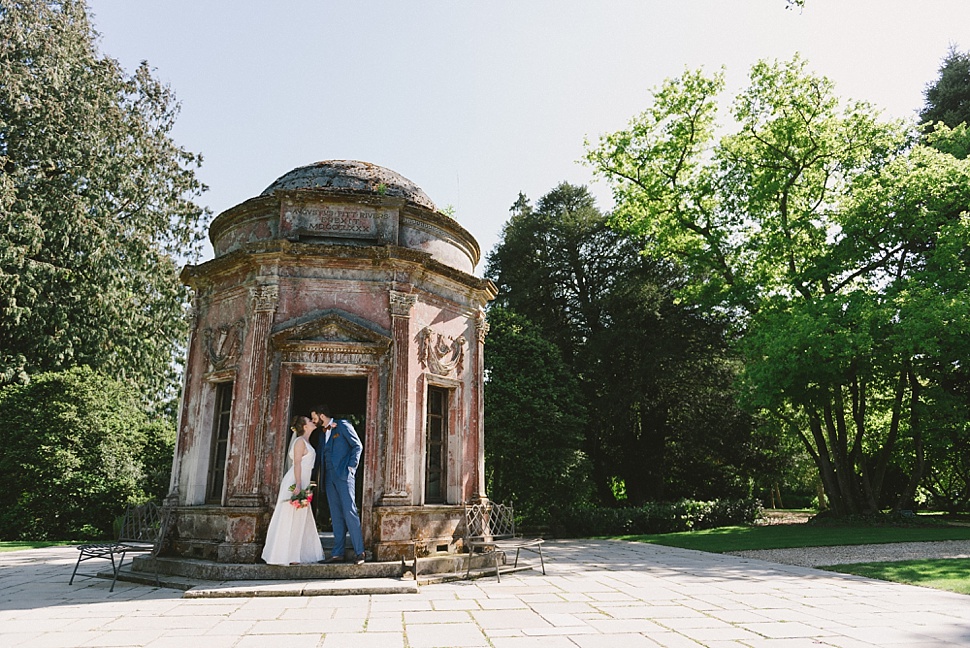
pixel 596 594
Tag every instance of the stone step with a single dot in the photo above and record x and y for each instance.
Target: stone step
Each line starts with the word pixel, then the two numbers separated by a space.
pixel 199 588
pixel 206 579
pixel 208 570
pixel 342 587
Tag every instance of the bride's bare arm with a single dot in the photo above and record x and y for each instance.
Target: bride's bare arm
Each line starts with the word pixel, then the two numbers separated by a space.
pixel 299 449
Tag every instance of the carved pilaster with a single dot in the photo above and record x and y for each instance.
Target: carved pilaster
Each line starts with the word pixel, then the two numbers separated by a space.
pixel 395 480
pixel 182 424
pixel 478 405
pixel 247 445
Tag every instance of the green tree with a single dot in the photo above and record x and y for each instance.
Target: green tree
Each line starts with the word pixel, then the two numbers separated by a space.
pixel 945 118
pixel 827 234
pixel 533 421
pixel 660 377
pixel 553 262
pixel 653 372
pixel 948 98
pixel 96 204
pixel 75 446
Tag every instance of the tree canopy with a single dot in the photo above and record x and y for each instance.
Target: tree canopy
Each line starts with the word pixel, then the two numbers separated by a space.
pixel 77 446
pixel 97 205
pixel 534 421
pixel 653 374
pixel 828 235
pixel 948 98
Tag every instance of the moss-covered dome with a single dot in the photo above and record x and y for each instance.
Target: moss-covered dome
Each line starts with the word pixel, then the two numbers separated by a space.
pixel 351 176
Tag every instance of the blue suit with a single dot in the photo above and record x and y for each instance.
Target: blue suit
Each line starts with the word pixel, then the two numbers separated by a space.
pixel 338 461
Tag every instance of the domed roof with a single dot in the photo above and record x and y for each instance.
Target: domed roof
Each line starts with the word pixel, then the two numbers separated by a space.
pixel 352 176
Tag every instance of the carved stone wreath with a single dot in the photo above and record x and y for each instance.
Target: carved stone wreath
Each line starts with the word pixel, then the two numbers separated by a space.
pixel 441 354
pixel 222 344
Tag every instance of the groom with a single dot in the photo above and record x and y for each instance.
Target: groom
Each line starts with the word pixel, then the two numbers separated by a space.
pixel 339 454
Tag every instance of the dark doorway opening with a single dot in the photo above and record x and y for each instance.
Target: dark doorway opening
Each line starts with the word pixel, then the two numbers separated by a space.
pixel 347 396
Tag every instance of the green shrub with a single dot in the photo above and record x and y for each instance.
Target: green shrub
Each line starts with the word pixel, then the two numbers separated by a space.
pixel 157 458
pixel 654 517
pixel 72 450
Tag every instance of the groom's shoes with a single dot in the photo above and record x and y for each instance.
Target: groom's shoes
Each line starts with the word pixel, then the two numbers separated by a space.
pixel 333 559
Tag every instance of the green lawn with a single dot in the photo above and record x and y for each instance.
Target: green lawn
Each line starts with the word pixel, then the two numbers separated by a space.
pixel 787 536
pixel 951 574
pixel 17 545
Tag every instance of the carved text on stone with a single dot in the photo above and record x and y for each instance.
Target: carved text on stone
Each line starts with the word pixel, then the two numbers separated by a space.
pixel 337 221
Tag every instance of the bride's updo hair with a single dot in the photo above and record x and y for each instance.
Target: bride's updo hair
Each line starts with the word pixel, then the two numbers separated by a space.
pixel 297 424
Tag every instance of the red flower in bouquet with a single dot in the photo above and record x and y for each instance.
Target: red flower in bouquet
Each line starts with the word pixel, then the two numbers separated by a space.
pixel 302 498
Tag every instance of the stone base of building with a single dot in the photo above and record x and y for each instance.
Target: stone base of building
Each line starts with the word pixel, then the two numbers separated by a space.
pixel 226 534
pixel 406 532
pixel 217 533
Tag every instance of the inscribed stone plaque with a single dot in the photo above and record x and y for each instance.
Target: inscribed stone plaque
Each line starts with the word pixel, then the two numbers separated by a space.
pixel 338 220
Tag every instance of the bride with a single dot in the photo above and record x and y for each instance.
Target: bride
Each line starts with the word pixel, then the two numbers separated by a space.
pixel 292 535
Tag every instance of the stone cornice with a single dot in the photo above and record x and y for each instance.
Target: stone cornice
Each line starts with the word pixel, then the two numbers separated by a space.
pixel 253 208
pixel 253 255
pixel 268 207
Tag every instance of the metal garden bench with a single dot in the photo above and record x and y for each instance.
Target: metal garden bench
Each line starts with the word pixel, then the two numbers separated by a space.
pixel 490 529
pixel 142 531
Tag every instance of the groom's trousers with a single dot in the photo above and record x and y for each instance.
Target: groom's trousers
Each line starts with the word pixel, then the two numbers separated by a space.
pixel 343 510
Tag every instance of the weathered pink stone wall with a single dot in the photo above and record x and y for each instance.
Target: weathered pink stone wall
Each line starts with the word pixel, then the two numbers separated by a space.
pixel 337 269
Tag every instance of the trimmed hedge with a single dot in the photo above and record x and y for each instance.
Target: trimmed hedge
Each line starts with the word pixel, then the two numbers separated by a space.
pixel 654 517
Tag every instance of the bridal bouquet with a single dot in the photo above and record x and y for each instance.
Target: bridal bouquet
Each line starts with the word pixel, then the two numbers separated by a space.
pixel 302 498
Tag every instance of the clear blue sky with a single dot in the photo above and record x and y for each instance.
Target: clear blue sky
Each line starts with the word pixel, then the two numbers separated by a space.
pixel 476 101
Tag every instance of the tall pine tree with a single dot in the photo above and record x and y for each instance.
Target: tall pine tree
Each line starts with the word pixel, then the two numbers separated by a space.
pixel 96 204
pixel 948 99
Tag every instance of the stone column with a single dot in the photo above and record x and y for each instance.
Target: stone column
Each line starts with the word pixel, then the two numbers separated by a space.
pixel 246 444
pixel 181 439
pixel 477 426
pixel 396 491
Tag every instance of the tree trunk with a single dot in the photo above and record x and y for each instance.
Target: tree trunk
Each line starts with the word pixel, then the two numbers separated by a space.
pixel 842 464
pixel 919 469
pixel 826 469
pixel 882 458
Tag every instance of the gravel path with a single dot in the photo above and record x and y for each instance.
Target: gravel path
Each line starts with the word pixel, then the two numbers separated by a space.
pixel 818 556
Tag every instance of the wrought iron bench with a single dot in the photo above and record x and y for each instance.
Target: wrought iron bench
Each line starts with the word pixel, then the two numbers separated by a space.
pixel 142 531
pixel 490 528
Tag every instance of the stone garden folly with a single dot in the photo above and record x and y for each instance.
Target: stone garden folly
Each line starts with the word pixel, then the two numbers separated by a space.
pixel 343 283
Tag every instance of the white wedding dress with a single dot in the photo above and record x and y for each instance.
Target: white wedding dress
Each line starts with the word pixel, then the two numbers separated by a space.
pixel 292 535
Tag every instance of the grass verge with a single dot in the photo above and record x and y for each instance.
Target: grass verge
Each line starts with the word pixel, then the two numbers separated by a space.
pixel 789 536
pixel 18 545
pixel 951 574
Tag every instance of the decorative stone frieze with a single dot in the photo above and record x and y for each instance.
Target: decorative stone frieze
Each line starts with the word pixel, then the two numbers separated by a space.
pixel 222 344
pixel 440 354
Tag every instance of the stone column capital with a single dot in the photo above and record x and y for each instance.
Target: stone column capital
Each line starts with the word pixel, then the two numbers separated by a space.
pixel 401 303
pixel 265 298
pixel 481 326
pixel 192 313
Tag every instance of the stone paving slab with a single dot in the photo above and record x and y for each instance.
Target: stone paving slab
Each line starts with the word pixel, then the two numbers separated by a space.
pixel 240 589
pixel 596 594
